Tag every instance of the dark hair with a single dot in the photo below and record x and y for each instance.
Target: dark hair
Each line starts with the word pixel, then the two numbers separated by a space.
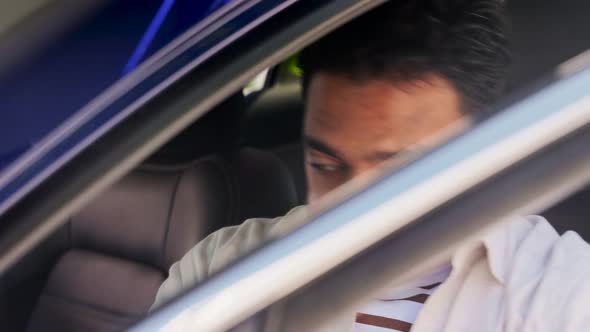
pixel 464 41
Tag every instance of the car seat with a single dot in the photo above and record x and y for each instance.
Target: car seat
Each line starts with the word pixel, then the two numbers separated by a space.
pixel 123 243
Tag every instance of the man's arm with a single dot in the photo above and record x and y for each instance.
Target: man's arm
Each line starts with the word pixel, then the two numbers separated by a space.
pixel 190 270
pixel 211 254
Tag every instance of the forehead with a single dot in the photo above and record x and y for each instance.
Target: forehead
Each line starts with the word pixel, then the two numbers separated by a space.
pixel 341 111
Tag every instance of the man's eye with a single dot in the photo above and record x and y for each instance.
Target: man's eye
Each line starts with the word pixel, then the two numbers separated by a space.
pixel 327 168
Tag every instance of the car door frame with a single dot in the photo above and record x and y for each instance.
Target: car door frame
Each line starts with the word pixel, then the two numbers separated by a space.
pixel 276 30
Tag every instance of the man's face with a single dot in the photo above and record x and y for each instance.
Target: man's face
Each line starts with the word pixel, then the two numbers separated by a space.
pixel 351 127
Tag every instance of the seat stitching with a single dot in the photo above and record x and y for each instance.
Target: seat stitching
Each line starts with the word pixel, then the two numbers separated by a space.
pixel 235 188
pixel 226 175
pixel 91 306
pixel 70 232
pixel 169 216
pixel 234 195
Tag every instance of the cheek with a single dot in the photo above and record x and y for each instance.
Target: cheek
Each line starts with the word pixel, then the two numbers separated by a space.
pixel 319 184
pixel 315 188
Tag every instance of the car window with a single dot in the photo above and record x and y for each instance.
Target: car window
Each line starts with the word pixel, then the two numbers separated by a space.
pixel 28 243
pixel 40 91
pixel 107 109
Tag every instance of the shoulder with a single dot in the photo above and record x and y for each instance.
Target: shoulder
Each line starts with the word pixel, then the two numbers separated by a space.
pixel 529 243
pixel 563 288
pixel 217 251
pixel 230 243
pixel 539 279
pixel 227 244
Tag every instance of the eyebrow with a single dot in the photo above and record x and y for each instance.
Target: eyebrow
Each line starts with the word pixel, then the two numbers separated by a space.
pixel 326 149
pixel 322 147
pixel 383 155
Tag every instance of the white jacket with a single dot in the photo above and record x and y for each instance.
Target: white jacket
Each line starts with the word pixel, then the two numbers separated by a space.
pixel 522 276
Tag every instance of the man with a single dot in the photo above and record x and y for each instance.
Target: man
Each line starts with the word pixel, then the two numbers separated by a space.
pixel 375 89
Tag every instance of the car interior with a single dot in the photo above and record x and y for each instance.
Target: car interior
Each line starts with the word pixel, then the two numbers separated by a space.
pixel 244 159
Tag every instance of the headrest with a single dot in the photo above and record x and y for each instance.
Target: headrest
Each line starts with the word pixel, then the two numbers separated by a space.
pixel 275 118
pixel 265 186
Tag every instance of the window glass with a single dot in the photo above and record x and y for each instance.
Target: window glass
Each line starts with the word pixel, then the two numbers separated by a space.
pixel 40 91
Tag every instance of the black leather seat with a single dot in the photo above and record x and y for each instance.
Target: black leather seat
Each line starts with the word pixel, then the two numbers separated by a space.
pixel 125 241
pixel 274 122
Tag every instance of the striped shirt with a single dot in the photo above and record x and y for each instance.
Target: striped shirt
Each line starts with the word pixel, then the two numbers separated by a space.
pixel 398 310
